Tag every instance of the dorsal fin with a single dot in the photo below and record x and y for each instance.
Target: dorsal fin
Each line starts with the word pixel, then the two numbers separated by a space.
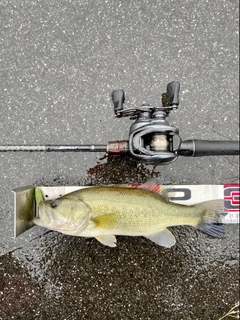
pixel 153 185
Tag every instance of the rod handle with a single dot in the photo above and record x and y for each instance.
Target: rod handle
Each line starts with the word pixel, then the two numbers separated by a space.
pixel 202 148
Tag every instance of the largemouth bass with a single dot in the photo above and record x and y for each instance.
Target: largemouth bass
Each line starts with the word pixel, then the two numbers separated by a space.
pixel 106 211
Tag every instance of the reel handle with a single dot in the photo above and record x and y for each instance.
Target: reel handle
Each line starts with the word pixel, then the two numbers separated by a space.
pixel 173 93
pixel 118 97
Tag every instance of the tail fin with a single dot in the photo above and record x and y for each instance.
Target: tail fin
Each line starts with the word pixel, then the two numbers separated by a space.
pixel 211 211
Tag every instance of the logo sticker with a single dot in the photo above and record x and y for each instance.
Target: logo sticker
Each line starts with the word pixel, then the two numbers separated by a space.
pixel 231 197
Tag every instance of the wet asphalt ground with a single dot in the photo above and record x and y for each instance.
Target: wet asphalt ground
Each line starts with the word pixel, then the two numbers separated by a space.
pixel 60 61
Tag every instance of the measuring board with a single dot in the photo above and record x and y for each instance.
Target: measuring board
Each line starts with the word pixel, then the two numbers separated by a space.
pixel 25 208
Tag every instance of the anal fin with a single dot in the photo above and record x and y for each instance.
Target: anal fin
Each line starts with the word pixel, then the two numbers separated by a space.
pixel 164 238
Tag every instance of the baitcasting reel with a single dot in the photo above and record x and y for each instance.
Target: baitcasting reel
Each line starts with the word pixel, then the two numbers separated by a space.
pixel 151 139
pixel 154 141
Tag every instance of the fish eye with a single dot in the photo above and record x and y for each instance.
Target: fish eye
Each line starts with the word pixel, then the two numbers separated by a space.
pixel 54 204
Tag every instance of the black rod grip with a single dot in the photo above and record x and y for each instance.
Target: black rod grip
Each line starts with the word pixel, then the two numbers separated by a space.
pixel 173 93
pixel 202 148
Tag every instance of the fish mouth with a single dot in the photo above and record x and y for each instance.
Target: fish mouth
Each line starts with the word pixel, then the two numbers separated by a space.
pixel 44 216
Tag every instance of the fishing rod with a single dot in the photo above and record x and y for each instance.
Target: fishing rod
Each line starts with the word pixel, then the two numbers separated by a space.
pixel 151 139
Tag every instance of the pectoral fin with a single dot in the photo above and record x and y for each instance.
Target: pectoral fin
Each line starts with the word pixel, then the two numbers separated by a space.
pixel 163 238
pixel 105 221
pixel 107 239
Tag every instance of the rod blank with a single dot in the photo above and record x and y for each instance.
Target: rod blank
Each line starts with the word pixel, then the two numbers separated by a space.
pixel 50 148
pixel 22 148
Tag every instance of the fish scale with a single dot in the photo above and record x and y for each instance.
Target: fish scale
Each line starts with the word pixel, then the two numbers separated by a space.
pixel 137 205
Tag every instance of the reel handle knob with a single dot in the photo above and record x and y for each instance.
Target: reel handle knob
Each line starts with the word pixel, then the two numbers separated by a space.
pixel 173 93
pixel 118 97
